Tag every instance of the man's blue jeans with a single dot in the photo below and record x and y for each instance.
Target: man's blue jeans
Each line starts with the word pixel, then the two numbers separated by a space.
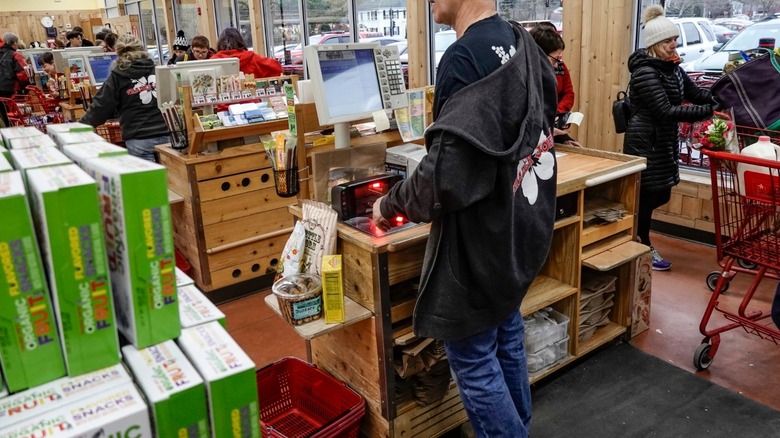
pixel 492 376
pixel 145 148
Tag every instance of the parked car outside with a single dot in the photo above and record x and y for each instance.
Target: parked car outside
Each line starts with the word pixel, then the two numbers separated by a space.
pixel 722 33
pixel 712 63
pixel 696 37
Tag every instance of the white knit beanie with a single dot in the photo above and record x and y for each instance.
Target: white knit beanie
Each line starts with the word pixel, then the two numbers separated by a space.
pixel 656 26
pixel 180 43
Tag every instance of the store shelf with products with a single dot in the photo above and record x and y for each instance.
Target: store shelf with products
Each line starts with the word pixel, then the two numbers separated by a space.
pixel 231 224
pixel 377 269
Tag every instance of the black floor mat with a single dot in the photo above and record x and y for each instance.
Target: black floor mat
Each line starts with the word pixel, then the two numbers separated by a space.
pixel 621 391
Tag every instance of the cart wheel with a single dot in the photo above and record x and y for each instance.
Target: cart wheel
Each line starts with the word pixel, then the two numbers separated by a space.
pixel 746 264
pixel 701 359
pixel 712 281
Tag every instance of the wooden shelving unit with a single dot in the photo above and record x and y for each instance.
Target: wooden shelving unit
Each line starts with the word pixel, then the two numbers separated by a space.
pixel 376 269
pixel 230 225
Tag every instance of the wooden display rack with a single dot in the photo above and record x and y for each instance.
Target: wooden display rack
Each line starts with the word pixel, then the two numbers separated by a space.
pixel 231 225
pixel 375 268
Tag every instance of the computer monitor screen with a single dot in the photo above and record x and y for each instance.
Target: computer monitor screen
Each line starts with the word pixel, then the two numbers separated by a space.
pixel 352 81
pixel 99 67
pixel 168 75
pixel 62 55
pixel 32 56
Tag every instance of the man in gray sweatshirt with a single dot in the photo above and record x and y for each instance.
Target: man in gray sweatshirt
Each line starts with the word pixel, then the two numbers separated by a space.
pixel 487 185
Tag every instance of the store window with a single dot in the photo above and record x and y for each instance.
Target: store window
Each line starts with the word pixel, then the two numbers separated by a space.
pixel 225 14
pixel 284 34
pixel 152 28
pixel 185 16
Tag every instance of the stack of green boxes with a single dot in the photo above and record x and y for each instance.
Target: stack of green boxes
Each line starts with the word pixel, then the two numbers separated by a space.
pixel 104 231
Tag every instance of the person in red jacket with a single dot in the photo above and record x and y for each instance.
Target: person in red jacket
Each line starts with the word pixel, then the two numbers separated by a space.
pixel 231 45
pixel 551 43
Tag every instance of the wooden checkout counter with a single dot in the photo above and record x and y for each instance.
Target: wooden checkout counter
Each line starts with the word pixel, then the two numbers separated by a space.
pixel 361 351
pixel 232 225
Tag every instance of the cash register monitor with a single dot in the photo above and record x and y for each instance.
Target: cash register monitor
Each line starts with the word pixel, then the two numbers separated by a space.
pixel 61 57
pixel 31 57
pixel 99 67
pixel 352 81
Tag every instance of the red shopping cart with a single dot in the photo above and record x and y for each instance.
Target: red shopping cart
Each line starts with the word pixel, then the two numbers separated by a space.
pixel 747 226
pixel 746 135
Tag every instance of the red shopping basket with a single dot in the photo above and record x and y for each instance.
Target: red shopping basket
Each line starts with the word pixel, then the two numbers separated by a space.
pixel 298 400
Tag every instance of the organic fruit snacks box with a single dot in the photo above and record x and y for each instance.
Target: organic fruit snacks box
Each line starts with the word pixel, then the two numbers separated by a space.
pixel 195 308
pixel 86 151
pixel 58 128
pixel 5 165
pixel 31 142
pixel 3 389
pixel 9 134
pixel 65 205
pixel 230 379
pixel 183 279
pixel 65 138
pixel 61 392
pixel 173 388
pixel 116 412
pixel 4 152
pixel 26 159
pixel 30 351
pixel 139 244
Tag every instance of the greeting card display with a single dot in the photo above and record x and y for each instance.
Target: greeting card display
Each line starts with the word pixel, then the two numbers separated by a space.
pixel 203 81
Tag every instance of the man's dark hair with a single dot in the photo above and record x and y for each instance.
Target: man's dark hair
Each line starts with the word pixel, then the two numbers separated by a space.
pixel 78 29
pixel 101 36
pixel 200 41
pixel 72 34
pixel 46 58
pixel 110 40
pixel 546 37
pixel 231 39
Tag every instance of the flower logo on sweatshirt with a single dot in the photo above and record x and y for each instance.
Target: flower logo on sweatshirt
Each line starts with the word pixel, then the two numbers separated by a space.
pixel 145 87
pixel 540 164
pixel 502 53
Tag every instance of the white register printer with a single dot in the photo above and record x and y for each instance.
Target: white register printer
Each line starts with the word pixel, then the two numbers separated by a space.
pixel 403 159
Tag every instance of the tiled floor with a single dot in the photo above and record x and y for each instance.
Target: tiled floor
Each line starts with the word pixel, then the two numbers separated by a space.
pixel 744 363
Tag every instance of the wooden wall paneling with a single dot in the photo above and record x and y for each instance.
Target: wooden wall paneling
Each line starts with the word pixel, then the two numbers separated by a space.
pixel 170 26
pixel 598 45
pixel 207 25
pixel 256 27
pixel 27 24
pixel 416 28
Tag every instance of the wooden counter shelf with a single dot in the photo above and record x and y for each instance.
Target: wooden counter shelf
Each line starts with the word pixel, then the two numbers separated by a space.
pixel 362 353
pixel 353 313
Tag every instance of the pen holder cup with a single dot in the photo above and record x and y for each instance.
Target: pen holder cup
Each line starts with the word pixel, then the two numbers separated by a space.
pixel 286 182
pixel 179 139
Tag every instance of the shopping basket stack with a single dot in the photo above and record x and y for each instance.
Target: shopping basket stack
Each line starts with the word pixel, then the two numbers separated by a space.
pixel 111 131
pixel 298 400
pixel 747 228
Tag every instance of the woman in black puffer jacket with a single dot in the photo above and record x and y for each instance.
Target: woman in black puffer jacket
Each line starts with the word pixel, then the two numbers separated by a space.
pixel 658 88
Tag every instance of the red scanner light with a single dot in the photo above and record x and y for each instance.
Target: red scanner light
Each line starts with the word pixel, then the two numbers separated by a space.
pixel 376 185
pixel 400 220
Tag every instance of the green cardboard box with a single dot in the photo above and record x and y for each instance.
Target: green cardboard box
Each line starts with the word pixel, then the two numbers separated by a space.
pixel 65 205
pixel 139 245
pixel 30 351
pixel 183 279
pixel 61 392
pixel 230 379
pixel 34 158
pixel 81 152
pixel 66 138
pixel 5 166
pixel 195 308
pixel 4 152
pixel 3 389
pixel 31 142
pixel 119 412
pixel 173 388
pixel 8 134
pixel 57 128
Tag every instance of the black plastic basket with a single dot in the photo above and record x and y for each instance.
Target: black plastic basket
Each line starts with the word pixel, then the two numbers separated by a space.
pixel 286 182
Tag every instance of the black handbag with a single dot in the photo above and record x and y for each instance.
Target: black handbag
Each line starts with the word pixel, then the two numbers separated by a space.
pixel 621 111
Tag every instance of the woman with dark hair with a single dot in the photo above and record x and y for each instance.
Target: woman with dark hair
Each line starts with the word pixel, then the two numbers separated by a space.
pixel 46 61
pixel 231 45
pixel 131 90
